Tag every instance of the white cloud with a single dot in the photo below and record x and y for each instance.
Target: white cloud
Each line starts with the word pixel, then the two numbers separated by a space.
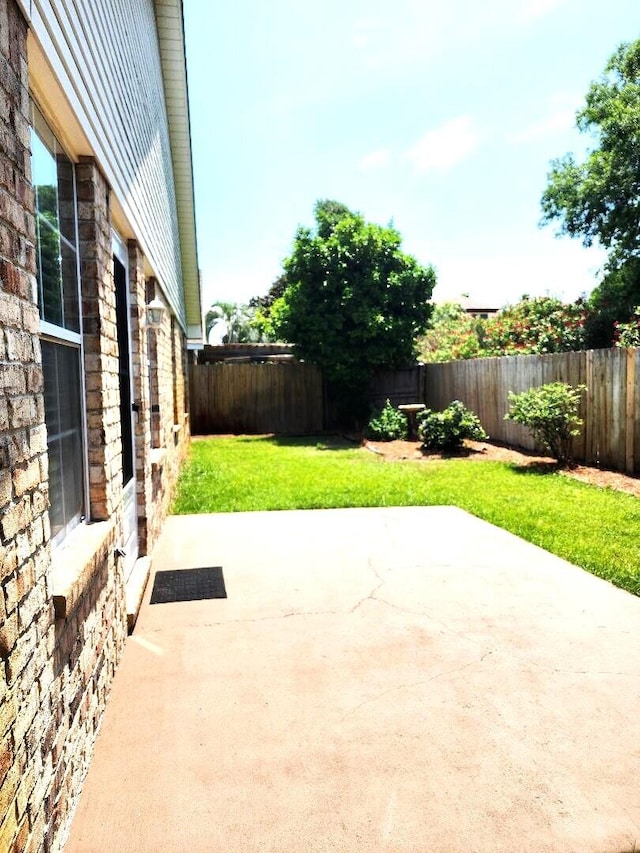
pixel 559 118
pixel 558 122
pixel 375 160
pixel 441 149
pixel 560 268
pixel 531 10
pixel 418 33
pixel 368 40
pixel 365 29
pixel 236 284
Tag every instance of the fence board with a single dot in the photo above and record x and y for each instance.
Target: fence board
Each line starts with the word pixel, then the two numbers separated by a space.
pixel 256 398
pixel 636 425
pixel 610 436
pixel 398 386
pixel 288 398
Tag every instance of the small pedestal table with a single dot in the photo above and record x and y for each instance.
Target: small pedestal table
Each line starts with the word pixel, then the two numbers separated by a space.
pixel 412 410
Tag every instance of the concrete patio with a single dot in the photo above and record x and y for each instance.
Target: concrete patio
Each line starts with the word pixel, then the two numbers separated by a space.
pixel 377 680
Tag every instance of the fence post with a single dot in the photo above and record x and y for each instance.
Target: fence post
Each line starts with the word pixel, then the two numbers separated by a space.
pixel 630 411
pixel 590 411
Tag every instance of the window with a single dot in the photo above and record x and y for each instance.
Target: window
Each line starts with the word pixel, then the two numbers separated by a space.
pixel 64 431
pixel 59 304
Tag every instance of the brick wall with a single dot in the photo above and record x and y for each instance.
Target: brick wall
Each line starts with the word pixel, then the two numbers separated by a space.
pixel 141 393
pixel 62 612
pixel 91 627
pixel 170 425
pixel 100 340
pixel 26 609
pixel 88 644
pixel 55 672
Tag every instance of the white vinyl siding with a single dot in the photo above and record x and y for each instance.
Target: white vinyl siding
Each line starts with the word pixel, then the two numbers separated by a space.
pixel 107 58
pixel 172 52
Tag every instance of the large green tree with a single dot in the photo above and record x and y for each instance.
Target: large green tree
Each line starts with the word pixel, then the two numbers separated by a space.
pixel 599 198
pixel 354 302
pixel 613 301
pixel 264 303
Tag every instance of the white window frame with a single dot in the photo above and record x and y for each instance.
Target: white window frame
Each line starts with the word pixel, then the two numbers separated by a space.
pixel 55 334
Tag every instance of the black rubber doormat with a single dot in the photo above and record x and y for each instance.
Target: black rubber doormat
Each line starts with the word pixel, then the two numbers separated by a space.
pixel 188 585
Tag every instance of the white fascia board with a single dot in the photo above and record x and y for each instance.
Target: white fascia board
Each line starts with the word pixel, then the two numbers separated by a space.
pixel 172 54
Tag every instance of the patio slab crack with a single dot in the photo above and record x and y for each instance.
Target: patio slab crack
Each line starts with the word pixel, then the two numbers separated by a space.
pixel 412 685
pixel 372 595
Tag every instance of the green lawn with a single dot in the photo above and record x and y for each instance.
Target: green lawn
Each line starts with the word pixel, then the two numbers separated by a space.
pixel 591 527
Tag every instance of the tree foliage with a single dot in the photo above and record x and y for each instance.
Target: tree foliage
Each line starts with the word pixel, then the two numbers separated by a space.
pixel 628 334
pixel 236 323
pixel 264 303
pixel 541 324
pixel 536 325
pixel 613 302
pixel 354 302
pixel 600 198
pixel 452 335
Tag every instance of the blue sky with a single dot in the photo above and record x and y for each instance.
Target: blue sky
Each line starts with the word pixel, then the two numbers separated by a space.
pixel 439 116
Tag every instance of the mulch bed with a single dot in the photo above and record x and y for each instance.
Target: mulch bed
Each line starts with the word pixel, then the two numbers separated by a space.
pixel 475 451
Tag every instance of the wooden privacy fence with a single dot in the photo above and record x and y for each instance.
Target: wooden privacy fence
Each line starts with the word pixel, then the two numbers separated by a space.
pixel 256 398
pixel 611 433
pixel 397 386
pixel 284 398
pixel 291 398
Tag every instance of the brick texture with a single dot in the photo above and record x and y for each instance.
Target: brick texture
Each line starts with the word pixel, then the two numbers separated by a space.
pixel 141 392
pixel 55 674
pixel 100 340
pixel 26 611
pixel 169 422
pixel 159 389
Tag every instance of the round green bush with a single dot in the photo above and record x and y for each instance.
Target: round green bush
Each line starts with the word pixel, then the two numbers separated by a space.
pixel 389 424
pixel 447 430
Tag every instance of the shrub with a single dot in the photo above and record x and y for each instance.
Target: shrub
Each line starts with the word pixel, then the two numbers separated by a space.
pixel 551 413
pixel 628 334
pixel 453 334
pixel 536 325
pixel 388 424
pixel 446 430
